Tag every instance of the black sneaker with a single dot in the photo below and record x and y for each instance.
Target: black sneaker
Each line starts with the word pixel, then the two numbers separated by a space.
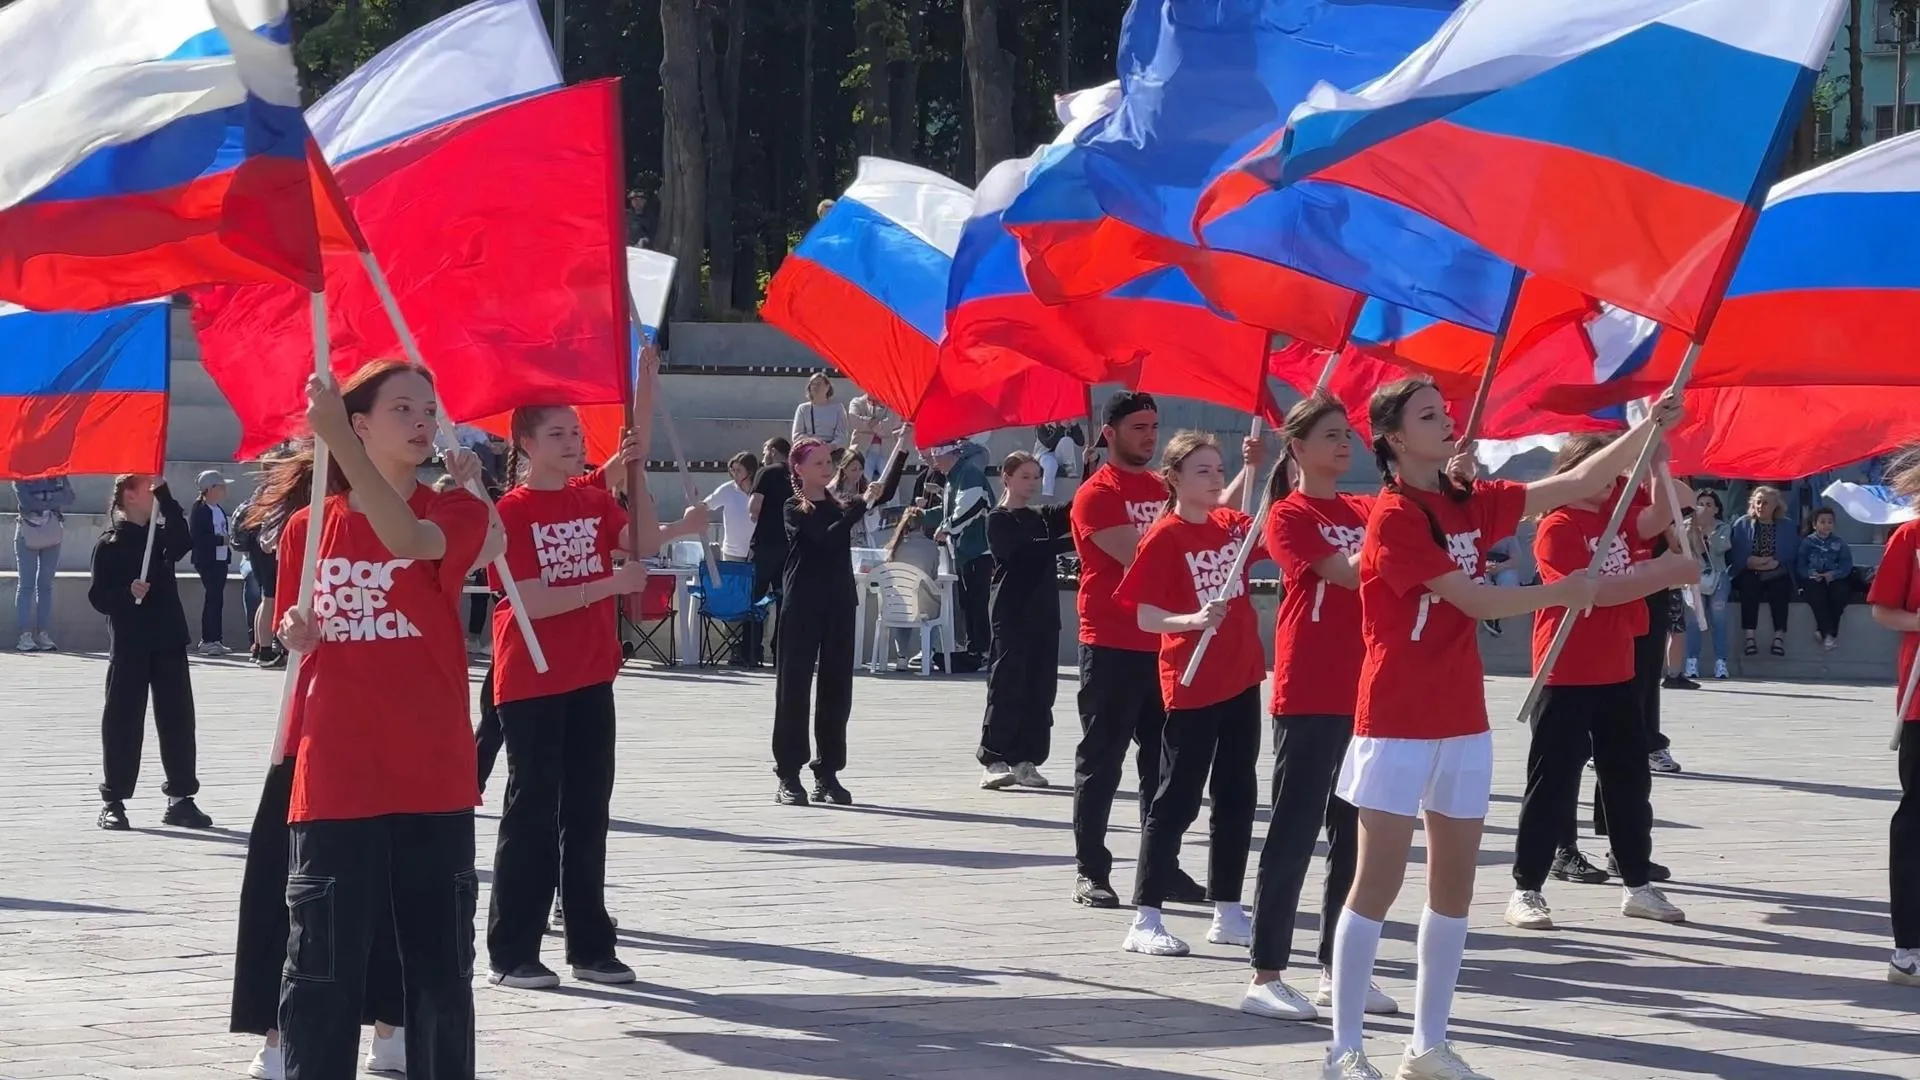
pixel 608 972
pixel 1655 872
pixel 184 814
pixel 1094 893
pixel 1678 682
pixel 531 976
pixel 113 817
pixel 827 789
pixel 1570 865
pixel 790 793
pixel 1185 890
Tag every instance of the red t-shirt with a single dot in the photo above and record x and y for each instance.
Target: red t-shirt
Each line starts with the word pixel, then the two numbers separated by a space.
pixel 1422 676
pixel 1179 567
pixel 1897 585
pixel 382 726
pixel 1316 639
pixel 1109 499
pixel 1600 651
pixel 564 538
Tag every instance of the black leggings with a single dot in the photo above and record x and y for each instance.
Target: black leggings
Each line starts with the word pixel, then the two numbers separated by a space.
pixel 1307 753
pixel 1211 750
pixel 1752 589
pixel 1572 723
pixel 1904 864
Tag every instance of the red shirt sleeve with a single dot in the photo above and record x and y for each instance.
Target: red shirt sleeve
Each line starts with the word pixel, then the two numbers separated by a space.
pixel 1498 506
pixel 595 479
pixel 462 520
pixel 1409 557
pixel 1294 539
pixel 1151 578
pixel 1892 583
pixel 1559 548
pixel 293 551
pixel 1103 507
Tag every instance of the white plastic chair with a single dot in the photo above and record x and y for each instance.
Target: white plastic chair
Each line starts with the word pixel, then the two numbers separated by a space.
pixel 686 553
pixel 903 592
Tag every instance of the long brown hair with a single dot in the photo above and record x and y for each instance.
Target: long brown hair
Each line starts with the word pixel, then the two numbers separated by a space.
pixel 1903 473
pixel 523 423
pixel 1387 414
pixel 1182 446
pixel 1305 415
pixel 287 484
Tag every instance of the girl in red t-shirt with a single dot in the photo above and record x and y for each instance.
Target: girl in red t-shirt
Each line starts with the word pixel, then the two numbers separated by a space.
pixel 563 530
pixel 1895 599
pixel 1421 741
pixel 383 788
pixel 1179 585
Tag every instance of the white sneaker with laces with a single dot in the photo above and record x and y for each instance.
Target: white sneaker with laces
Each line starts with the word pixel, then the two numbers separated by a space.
pixel 1028 776
pixel 1528 910
pixel 1277 1001
pixel 996 776
pixel 1647 902
pixel 1662 761
pixel 1349 1065
pixel 388 1055
pixel 1378 1003
pixel 27 644
pixel 1231 926
pixel 267 1065
pixel 1154 941
pixel 1439 1063
pixel 46 642
pixel 1692 670
pixel 1720 669
pixel 1904 968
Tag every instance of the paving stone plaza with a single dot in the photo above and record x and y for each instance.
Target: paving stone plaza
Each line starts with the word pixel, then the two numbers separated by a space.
pixel 926 932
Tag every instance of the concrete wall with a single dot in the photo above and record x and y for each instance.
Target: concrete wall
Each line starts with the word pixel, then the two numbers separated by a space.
pixel 79 628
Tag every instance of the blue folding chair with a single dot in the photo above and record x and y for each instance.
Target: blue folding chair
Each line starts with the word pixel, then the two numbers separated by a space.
pixel 727 609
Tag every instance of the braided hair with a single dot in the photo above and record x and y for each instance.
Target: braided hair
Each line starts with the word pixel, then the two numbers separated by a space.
pixel 524 423
pixel 1387 413
pixel 1300 422
pixel 803 450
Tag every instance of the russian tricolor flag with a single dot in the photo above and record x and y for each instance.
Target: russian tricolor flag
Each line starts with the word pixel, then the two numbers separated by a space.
pixel 1622 148
pixel 83 393
pixel 147 146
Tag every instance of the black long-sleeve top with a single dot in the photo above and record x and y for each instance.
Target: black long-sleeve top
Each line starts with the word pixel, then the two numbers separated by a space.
pixel 819 567
pixel 1025 543
pixel 160 622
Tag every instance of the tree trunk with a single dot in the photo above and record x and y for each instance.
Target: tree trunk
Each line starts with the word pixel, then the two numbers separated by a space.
pixel 1856 89
pixel 989 85
pixel 874 21
pixel 809 146
pixel 683 190
pixel 720 98
pixel 906 88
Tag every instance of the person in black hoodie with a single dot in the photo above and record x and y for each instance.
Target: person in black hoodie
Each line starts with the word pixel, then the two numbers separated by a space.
pixel 818 608
pixel 148 654
pixel 1026 542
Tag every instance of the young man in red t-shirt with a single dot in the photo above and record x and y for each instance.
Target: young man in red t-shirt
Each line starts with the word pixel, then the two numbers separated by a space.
pixel 1895 599
pixel 1119 684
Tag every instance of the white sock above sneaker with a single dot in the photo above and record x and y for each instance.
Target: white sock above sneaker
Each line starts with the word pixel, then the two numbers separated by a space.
pixel 1442 942
pixel 1356 941
pixel 1146 918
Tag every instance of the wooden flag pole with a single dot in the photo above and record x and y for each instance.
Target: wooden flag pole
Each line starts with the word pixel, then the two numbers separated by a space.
pixel 448 440
pixel 1478 413
pixel 316 524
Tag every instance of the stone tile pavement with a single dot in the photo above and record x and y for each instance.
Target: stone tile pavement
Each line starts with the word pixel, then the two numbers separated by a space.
pixel 926 932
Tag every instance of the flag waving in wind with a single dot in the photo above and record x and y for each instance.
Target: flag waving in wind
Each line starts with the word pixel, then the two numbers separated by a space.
pixel 147 146
pixel 83 393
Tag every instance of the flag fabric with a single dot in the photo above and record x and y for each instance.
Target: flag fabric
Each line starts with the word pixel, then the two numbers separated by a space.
pixel 1870 504
pixel 649 282
pixel 83 393
pixel 1530 131
pixel 148 147
pixel 491 201
pixel 1204 83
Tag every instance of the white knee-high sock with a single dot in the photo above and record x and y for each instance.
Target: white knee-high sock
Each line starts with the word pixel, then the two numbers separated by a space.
pixel 1443 940
pixel 1356 941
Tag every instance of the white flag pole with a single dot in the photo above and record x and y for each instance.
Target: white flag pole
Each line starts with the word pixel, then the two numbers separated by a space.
pixel 146 557
pixel 1905 703
pixel 1663 476
pixel 316 522
pixel 448 440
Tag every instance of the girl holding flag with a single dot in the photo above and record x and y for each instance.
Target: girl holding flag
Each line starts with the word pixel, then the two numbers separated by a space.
pixel 1178 583
pixel 384 785
pixel 1421 740
pixel 1895 599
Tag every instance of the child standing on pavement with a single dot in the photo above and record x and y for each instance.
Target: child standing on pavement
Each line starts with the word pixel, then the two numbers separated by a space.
pixel 1895 599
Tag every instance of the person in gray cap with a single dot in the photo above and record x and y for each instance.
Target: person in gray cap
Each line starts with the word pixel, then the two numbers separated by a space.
pixel 212 558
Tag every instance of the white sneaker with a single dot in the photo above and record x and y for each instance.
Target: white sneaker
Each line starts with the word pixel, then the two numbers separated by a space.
pixel 997 776
pixel 1378 1003
pixel 1439 1063
pixel 1350 1065
pixel 1154 941
pixel 1028 776
pixel 46 642
pixel 267 1065
pixel 388 1055
pixel 1830 643
pixel 27 644
pixel 1720 669
pixel 1231 927
pixel 1278 1001
pixel 1904 968
pixel 1529 911
pixel 1692 670
pixel 1647 902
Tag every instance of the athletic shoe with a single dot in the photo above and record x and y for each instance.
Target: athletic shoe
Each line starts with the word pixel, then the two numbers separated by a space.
pixel 1185 890
pixel 1351 1065
pixel 267 1065
pixel 47 645
pixel 1691 670
pixel 388 1055
pixel 1439 1063
pixel 1647 902
pixel 998 775
pixel 1028 776
pixel 608 972
pixel 1720 670
pixel 212 648
pixel 1570 865
pixel 790 793
pixel 533 976
pixel 1277 1001
pixel 827 789
pixel 1655 872
pixel 1231 927
pixel 1904 968
pixel 1678 682
pixel 1154 941
pixel 1378 1003
pixel 1529 911
pixel 1662 761
pixel 113 817
pixel 184 814
pixel 27 644
pixel 1829 643
pixel 1094 893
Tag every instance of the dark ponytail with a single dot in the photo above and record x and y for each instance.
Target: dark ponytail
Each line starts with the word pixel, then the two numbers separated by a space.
pixel 1387 413
pixel 1305 415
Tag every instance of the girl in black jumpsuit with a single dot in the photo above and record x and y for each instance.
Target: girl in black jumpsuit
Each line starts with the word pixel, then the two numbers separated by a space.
pixel 1025 613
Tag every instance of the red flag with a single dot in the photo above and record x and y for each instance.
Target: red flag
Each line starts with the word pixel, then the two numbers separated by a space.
pixel 1788 431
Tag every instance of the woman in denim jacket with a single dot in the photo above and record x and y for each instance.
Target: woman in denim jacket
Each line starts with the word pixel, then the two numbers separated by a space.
pixel 1715 539
pixel 36 552
pixel 1765 549
pixel 1825 569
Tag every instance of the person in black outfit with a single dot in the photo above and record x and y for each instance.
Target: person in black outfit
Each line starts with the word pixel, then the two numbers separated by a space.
pixel 815 631
pixel 772 486
pixel 1026 542
pixel 212 559
pixel 148 651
